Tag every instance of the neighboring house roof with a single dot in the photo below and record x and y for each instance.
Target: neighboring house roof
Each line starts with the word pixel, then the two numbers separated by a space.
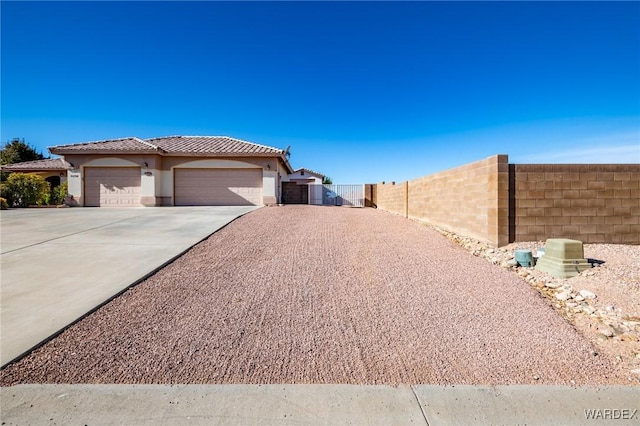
pixel 37 165
pixel 172 145
pixel 309 171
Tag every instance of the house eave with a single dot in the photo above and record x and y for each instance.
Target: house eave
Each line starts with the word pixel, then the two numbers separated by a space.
pixel 56 151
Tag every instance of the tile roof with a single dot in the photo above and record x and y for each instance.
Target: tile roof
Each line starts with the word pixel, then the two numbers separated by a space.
pixel 48 164
pixel 309 171
pixel 211 145
pixel 133 145
pixel 185 145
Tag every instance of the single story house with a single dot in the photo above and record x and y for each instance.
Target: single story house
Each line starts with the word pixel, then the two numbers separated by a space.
pixel 53 170
pixel 300 186
pixel 174 171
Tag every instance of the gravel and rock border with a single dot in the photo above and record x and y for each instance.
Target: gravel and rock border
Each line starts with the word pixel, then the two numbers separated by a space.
pixel 609 318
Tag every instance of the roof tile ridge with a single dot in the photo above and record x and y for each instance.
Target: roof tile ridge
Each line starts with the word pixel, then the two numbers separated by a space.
pixel 308 170
pixel 255 144
pixel 97 141
pixel 164 137
pixel 145 142
pixel 220 136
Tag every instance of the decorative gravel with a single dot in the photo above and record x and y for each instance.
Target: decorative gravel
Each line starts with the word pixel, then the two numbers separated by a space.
pixel 304 294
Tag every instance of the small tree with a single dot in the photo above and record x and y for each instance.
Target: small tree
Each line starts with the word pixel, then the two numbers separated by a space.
pixel 18 151
pixel 23 189
pixel 327 181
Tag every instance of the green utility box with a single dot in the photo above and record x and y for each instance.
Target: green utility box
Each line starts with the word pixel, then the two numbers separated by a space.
pixel 563 258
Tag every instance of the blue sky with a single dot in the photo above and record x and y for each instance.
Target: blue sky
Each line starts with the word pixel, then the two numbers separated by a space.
pixel 362 91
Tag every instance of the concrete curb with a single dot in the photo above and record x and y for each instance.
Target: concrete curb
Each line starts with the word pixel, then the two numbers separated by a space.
pixel 318 404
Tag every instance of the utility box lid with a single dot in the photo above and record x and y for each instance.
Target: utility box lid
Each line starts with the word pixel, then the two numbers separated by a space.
pixel 564 248
pixel 563 258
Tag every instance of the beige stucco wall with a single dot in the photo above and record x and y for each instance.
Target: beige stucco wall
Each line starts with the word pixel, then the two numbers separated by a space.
pixel 157 175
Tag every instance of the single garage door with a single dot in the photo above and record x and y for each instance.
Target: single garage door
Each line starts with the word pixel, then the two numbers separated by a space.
pixel 217 187
pixel 112 186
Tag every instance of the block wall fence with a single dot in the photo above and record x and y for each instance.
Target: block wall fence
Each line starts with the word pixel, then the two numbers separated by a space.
pixel 500 203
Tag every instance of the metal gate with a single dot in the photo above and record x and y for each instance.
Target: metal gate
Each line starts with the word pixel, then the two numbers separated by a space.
pixel 337 195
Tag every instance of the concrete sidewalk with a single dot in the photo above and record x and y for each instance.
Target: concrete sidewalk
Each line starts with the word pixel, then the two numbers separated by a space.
pixel 318 404
pixel 59 264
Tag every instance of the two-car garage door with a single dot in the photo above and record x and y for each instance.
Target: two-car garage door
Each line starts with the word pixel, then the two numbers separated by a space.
pixel 112 186
pixel 121 187
pixel 217 187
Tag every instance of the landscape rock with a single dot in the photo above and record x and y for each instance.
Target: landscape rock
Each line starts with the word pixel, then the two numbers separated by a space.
pixel 587 294
pixel 567 287
pixel 606 331
pixel 509 263
pixel 553 285
pixel 591 307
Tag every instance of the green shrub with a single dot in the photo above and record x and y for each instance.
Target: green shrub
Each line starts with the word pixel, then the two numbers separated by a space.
pixel 23 189
pixel 3 204
pixel 59 193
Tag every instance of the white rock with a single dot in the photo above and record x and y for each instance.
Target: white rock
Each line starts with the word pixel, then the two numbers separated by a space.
pixel 588 310
pixel 587 294
pixel 510 263
pixel 567 287
pixel 563 295
pixel 552 285
pixel 579 298
pixel 606 331
pixel 636 371
pixel 571 304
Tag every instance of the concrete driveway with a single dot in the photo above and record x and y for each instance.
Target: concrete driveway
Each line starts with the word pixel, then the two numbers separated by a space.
pixel 59 264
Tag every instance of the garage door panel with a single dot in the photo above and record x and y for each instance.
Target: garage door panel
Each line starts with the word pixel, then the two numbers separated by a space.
pixel 112 187
pixel 218 187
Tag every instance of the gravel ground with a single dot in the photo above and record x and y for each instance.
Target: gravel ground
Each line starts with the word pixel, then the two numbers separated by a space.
pixel 609 317
pixel 303 294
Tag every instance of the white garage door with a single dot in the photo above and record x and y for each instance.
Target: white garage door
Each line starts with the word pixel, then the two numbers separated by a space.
pixel 217 187
pixel 112 186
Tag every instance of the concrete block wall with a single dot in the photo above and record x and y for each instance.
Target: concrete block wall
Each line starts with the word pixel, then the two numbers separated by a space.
pixel 392 197
pixel 499 203
pixel 471 200
pixel 593 203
